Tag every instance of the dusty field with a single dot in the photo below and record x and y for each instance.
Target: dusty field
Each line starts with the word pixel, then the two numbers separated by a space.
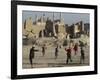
pixel 49 59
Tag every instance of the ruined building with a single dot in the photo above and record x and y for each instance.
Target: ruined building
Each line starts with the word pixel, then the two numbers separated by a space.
pixel 43 28
pixel 75 30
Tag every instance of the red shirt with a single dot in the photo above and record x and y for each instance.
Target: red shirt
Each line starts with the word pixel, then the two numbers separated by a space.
pixel 68 50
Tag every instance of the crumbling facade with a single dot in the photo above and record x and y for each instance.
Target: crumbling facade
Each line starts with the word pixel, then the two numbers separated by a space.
pixel 47 28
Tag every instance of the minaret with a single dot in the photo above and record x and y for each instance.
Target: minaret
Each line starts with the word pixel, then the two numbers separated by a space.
pixel 36 18
pixel 54 26
pixel 60 17
pixel 43 17
pixel 82 26
pixel 53 16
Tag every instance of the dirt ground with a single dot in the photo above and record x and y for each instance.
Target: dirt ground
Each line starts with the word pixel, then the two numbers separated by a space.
pixel 48 60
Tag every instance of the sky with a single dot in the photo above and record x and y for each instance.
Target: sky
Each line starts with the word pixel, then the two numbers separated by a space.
pixel 69 18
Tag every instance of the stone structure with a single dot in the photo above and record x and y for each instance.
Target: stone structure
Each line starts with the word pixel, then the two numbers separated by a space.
pixel 42 28
pixel 60 30
pixel 75 30
pixel 87 28
pixel 33 28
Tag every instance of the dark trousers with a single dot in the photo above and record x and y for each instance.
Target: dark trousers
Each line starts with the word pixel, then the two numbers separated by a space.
pixel 56 54
pixel 82 58
pixel 68 58
pixel 31 62
pixel 43 52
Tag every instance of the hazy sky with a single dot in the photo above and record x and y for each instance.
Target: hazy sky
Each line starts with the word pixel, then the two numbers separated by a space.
pixel 69 18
